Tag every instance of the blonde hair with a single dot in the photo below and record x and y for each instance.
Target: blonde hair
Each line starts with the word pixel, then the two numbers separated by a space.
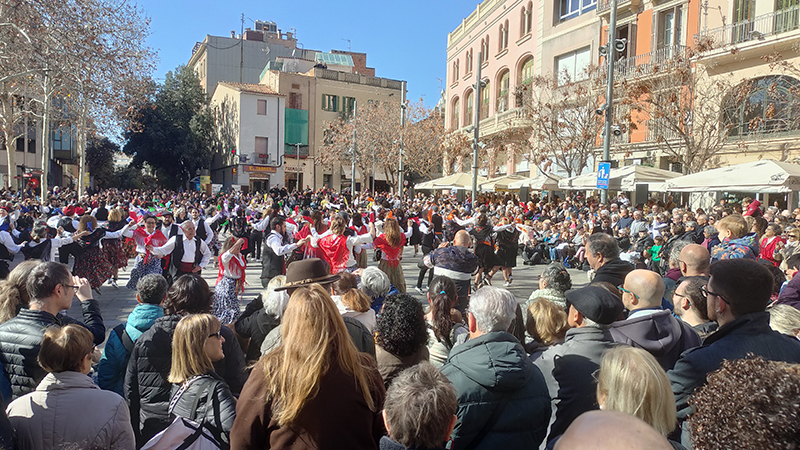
pixel 189 356
pixel 228 243
pixel 546 322
pixel 733 223
pixel 313 339
pixel 352 297
pixel 82 223
pixel 115 215
pixel 14 290
pixel 632 382
pixel 392 232
pixel 338 225
pixel 63 349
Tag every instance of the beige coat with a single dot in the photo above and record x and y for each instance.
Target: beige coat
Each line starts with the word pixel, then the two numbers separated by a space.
pixel 68 410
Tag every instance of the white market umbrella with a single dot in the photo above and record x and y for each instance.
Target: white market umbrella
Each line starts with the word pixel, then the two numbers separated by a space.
pixel 541 182
pixel 766 176
pixel 454 181
pixel 500 183
pixel 620 179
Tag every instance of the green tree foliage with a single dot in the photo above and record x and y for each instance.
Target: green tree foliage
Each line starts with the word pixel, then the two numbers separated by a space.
pixel 100 161
pixel 174 132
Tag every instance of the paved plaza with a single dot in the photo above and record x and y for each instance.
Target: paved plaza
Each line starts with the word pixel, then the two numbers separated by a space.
pixel 117 303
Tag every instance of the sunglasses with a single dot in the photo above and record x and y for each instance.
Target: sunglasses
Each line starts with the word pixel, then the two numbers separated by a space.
pixel 217 335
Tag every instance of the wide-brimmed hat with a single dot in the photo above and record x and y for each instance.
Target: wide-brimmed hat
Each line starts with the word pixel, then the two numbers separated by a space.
pixel 306 272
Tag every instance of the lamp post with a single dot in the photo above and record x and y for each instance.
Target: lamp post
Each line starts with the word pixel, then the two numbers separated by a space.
pixel 476 133
pixel 612 33
pixel 402 129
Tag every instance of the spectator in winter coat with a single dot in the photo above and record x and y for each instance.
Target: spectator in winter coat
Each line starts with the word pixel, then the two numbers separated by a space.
pixel 146 387
pixel 493 376
pixel 51 288
pixel 790 295
pixel 602 252
pixel 733 243
pixel 67 410
pixel 150 292
pixel 648 326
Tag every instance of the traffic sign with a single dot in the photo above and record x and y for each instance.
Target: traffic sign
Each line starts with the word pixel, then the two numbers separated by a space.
pixel 603 174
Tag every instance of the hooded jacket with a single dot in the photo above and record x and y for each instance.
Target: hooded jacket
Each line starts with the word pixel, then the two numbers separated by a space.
pixel 614 272
pixel 660 334
pixel 111 369
pixel 485 370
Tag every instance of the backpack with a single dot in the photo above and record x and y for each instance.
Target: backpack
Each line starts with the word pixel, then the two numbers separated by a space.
pixel 126 340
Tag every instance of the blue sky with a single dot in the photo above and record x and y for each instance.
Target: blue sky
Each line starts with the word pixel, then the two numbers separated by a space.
pixel 402 40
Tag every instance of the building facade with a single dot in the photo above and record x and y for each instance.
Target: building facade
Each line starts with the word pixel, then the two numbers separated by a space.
pixel 251 128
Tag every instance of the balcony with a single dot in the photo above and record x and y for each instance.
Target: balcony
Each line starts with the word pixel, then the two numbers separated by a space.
pixel 757 29
pixel 604 6
pixel 650 63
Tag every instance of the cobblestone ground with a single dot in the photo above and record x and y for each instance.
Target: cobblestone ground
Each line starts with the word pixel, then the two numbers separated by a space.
pixel 117 303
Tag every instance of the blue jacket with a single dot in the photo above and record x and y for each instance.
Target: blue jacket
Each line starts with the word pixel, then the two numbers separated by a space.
pixel 111 369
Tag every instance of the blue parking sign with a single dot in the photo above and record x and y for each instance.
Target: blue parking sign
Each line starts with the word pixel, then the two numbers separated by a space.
pixel 603 174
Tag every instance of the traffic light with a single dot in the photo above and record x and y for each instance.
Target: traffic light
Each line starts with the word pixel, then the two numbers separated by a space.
pixel 233 150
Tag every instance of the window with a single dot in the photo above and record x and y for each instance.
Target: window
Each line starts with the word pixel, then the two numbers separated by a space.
pixel 468 114
pixel 295 100
pixel 61 140
pixel 454 118
pixel 348 105
pixel 468 60
pixel 262 108
pixel 330 103
pixel 262 150
pixel 503 38
pixel 455 71
pixel 770 104
pixel 502 92
pixel 526 19
pixel 570 9
pixel 485 91
pixel 788 15
pixel 526 71
pixel 572 66
pixel 481 53
pixel 743 13
pixel 668 32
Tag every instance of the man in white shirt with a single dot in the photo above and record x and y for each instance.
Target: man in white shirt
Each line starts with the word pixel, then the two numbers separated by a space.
pixel 273 262
pixel 188 253
pixel 202 228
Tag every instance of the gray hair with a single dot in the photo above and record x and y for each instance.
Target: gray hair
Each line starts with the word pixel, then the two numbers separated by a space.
pixel 602 243
pixel 186 223
pixel 556 277
pixel 374 282
pixel 675 250
pixel 152 288
pixel 691 224
pixel 711 230
pixel 275 301
pixel 419 406
pixel 589 323
pixel 493 308
pixel 784 319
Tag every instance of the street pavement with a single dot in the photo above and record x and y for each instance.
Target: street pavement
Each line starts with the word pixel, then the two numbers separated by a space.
pixel 117 303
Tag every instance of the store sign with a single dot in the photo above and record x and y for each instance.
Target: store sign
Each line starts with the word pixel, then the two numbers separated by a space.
pixel 260 169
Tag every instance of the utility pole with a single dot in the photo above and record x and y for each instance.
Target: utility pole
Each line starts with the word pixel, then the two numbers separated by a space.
pixel 612 33
pixel 353 156
pixel 402 129
pixel 241 51
pixel 476 132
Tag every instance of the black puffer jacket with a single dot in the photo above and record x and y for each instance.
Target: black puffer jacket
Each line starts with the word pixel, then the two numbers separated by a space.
pixel 21 337
pixel 255 324
pixel 216 406
pixel 147 390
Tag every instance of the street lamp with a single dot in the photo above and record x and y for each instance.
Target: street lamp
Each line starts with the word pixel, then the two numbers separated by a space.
pixel 608 51
pixel 479 84
pixel 402 128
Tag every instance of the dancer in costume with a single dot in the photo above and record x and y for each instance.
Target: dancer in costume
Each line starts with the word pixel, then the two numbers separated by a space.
pixel 230 281
pixel 145 263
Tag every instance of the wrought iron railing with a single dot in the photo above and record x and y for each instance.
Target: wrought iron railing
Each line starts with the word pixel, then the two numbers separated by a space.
pixel 649 63
pixel 755 29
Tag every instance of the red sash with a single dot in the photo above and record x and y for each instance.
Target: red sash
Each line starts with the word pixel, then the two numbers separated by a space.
pixel 234 262
pixel 334 252
pixel 157 239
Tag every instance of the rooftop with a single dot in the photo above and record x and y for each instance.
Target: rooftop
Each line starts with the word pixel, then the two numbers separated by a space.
pixel 250 88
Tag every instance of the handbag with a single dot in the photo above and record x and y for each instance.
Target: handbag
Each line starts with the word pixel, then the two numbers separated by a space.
pixel 183 433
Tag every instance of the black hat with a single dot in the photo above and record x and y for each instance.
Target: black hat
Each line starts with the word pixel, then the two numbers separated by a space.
pixel 596 304
pixel 306 272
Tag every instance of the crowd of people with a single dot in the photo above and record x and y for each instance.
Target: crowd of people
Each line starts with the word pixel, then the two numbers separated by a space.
pixel 683 334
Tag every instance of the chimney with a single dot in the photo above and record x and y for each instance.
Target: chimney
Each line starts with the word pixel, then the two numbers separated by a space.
pixel 233 34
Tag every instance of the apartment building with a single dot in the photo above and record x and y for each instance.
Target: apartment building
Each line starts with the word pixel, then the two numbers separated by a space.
pixel 318 91
pixel 252 131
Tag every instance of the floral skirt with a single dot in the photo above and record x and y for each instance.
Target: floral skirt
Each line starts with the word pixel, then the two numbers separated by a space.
pixel 395 274
pixel 129 246
pixel 226 304
pixel 115 254
pixel 93 266
pixel 140 269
